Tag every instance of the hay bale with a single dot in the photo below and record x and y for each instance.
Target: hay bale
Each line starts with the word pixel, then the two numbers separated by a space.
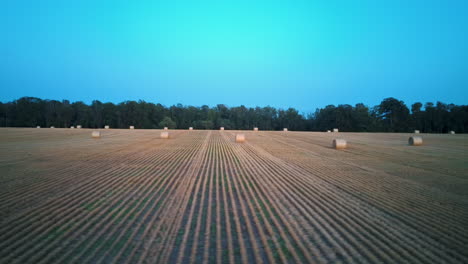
pixel 96 134
pixel 328 131
pixel 452 132
pixel 165 128
pixel 335 130
pixel 52 127
pixel 78 126
pixel 416 131
pixel 255 128
pixel 221 128
pixel 106 127
pixel 339 143
pixel 132 127
pixel 72 127
pixel 190 128
pixel 240 138
pixel 415 141
pixel 285 129
pixel 38 127
pixel 165 135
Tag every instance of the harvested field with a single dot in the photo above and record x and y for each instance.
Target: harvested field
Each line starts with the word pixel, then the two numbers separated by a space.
pixel 132 197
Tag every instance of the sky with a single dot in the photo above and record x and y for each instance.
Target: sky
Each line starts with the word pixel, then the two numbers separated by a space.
pixel 302 54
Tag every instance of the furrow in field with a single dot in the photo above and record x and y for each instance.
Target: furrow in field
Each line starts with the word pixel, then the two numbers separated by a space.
pixel 186 194
pixel 123 215
pixel 271 249
pixel 420 200
pixel 402 213
pixel 302 246
pixel 142 227
pixel 90 187
pixel 165 226
pixel 405 186
pixel 119 188
pixel 300 200
pixel 66 176
pixel 67 206
pixel 138 224
pixel 185 220
pixel 200 214
pixel 409 243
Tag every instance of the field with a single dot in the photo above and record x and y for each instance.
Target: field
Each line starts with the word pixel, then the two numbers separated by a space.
pixel 280 197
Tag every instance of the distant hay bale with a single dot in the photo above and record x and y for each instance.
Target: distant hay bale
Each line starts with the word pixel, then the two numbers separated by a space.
pixel 72 127
pixel 339 143
pixel 165 128
pixel 328 131
pixel 190 128
pixel 416 131
pixel 165 135
pixel 221 128
pixel 78 126
pixel 52 127
pixel 132 127
pixel 106 127
pixel 415 141
pixel 96 134
pixel 38 127
pixel 335 130
pixel 285 129
pixel 452 132
pixel 255 128
pixel 240 138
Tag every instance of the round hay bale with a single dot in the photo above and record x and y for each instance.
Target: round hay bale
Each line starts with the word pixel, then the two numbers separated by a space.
pixel 339 143
pixel 72 127
pixel 416 131
pixel 285 129
pixel 452 132
pixel 165 128
pixel 335 130
pixel 106 127
pixel 240 138
pixel 38 127
pixel 52 127
pixel 165 135
pixel 78 126
pixel 328 131
pixel 96 134
pixel 132 127
pixel 415 141
pixel 190 128
pixel 255 128
pixel 221 128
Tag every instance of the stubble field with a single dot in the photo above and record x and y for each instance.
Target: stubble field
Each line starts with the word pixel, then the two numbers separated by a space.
pixel 280 197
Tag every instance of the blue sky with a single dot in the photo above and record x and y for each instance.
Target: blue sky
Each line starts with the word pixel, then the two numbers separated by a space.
pixel 302 54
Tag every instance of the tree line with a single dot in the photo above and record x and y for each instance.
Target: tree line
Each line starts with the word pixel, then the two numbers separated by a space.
pixel 391 115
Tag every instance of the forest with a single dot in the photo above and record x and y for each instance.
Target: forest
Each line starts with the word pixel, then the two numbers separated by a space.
pixel 391 115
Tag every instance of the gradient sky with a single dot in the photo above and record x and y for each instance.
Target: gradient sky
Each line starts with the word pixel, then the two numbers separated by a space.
pixel 303 54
